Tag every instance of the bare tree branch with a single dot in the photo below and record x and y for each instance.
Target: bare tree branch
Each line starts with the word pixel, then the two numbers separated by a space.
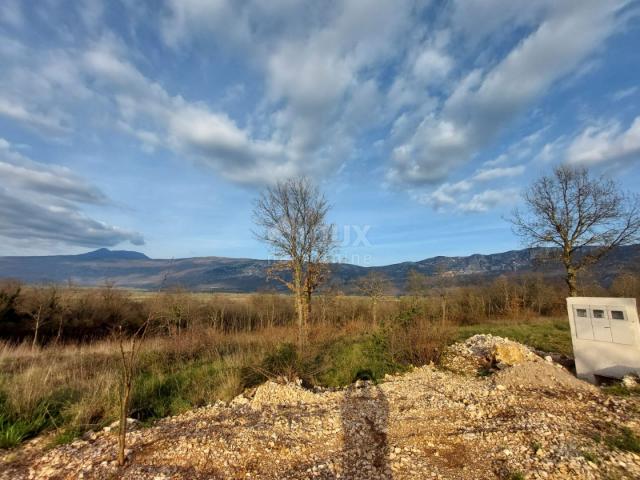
pixel 585 217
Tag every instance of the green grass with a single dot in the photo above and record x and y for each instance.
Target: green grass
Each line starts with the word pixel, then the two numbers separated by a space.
pixel 165 386
pixel 159 393
pixel 14 431
pixel 549 335
pixel 625 440
pixel 365 358
pixel 336 364
pixel 284 361
pixel 65 436
pixel 48 413
pixel 590 456
pixel 620 390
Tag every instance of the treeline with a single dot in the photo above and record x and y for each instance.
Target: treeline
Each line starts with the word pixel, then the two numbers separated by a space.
pixel 51 314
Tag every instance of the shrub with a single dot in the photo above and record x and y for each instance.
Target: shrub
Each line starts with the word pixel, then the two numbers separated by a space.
pixel 283 362
pixel 414 340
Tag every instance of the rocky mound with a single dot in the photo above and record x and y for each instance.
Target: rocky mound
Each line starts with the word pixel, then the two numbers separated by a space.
pixel 542 375
pixel 529 420
pixel 278 395
pixel 484 353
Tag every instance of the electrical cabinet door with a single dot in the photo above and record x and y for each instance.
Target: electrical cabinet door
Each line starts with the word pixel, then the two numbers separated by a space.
pixel 621 327
pixel 601 324
pixel 582 322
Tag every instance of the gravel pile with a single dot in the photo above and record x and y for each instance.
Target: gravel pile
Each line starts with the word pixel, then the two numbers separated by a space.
pixel 483 353
pixel 275 394
pixel 542 375
pixel 527 421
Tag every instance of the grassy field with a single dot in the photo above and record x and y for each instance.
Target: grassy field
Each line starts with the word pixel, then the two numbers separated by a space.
pixel 66 390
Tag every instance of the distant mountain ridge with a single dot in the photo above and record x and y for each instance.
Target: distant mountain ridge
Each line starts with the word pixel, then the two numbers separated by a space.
pixel 106 254
pixel 132 269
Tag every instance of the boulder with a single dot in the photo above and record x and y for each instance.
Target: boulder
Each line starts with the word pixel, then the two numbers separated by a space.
pixel 630 381
pixel 485 352
pixel 508 354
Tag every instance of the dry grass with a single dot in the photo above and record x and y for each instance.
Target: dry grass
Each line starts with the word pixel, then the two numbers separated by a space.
pixel 205 347
pixel 72 387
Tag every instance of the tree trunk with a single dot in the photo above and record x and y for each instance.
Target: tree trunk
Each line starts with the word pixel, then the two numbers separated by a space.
pixel 37 328
pixel 375 311
pixel 59 334
pixel 444 310
pixel 572 279
pixel 302 313
pixel 300 305
pixel 124 411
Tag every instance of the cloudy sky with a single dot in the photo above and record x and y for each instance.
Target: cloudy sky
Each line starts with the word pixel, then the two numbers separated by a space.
pixel 152 125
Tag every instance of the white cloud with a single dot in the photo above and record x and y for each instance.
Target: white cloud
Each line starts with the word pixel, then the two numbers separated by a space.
pixel 319 75
pixel 606 144
pixel 186 18
pixel 38 87
pixel 43 202
pixel 446 195
pixel 498 172
pixel 477 20
pixel 484 102
pixel 319 67
pixel 50 122
pixel 623 93
pixel 157 118
pixel 326 74
pixel 488 199
pixel 27 221
pixel 459 197
pixel 432 65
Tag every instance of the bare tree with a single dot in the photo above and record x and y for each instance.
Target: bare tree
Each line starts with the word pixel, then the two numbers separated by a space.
pixel 583 217
pixel 129 349
pixel 417 284
pixel 292 219
pixel 374 285
pixel 43 306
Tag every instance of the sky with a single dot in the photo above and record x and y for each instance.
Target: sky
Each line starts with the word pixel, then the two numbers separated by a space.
pixel 153 126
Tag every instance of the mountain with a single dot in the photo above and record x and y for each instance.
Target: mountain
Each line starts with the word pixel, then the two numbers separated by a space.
pixel 106 254
pixel 136 270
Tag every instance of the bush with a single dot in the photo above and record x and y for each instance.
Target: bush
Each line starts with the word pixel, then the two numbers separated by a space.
pixel 283 362
pixel 415 340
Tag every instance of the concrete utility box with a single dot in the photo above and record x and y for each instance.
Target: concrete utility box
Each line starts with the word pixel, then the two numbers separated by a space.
pixel 606 336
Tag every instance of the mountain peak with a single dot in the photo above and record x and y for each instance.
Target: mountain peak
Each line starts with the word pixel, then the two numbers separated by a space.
pixel 106 254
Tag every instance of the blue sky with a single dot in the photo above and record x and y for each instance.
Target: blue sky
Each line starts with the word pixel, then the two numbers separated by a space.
pixel 153 125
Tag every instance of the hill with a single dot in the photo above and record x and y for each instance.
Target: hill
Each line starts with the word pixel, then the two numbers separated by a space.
pixel 136 270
